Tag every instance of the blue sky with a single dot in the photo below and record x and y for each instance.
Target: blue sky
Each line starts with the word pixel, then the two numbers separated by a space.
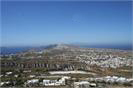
pixel 41 23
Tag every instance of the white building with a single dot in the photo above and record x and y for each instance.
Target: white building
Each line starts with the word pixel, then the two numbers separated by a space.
pixel 55 82
pixel 82 84
pixel 8 73
pixel 2 83
pixel 32 76
pixel 111 79
pixel 33 81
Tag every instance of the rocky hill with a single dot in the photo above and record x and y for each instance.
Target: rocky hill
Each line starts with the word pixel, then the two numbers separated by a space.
pixel 69 57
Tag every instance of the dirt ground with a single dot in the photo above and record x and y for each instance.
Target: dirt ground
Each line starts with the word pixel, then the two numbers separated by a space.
pixel 119 87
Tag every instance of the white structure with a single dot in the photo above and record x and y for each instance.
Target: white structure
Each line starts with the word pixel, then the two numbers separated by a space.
pixel 121 80
pixel 32 76
pixel 69 72
pixel 111 79
pixel 27 71
pixel 50 82
pixel 93 85
pixel 82 84
pixel 55 82
pixel 33 81
pixel 16 76
pixel 8 73
pixel 1 75
pixel 130 80
pixel 2 83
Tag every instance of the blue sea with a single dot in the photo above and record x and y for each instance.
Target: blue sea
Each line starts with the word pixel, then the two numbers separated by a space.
pixel 13 50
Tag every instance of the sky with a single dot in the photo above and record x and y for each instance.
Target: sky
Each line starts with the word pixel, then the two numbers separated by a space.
pixel 42 22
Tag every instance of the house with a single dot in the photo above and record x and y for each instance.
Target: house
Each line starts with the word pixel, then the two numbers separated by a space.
pixel 82 84
pixel 55 82
pixel 8 73
pixel 26 71
pixel 93 85
pixel 32 76
pixel 32 81
pixel 121 80
pixel 49 82
pixel 16 76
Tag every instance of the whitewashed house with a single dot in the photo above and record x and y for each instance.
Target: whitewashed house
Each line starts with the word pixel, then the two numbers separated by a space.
pixel 32 81
pixel 8 73
pixel 55 82
pixel 82 84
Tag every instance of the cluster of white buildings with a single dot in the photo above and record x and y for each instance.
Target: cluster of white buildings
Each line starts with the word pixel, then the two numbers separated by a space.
pixel 2 83
pixel 8 74
pixel 93 82
pixel 112 58
pixel 48 82
pixel 112 79
pixel 106 61
pixel 55 82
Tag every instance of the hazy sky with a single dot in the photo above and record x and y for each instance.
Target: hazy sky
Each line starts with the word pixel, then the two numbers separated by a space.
pixel 38 23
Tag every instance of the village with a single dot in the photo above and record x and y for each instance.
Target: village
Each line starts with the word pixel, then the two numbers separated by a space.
pixel 64 79
pixel 65 66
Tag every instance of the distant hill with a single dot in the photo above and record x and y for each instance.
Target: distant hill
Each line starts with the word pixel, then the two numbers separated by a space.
pixel 14 50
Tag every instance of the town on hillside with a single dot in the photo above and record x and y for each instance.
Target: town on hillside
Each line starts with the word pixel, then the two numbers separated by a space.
pixel 67 66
